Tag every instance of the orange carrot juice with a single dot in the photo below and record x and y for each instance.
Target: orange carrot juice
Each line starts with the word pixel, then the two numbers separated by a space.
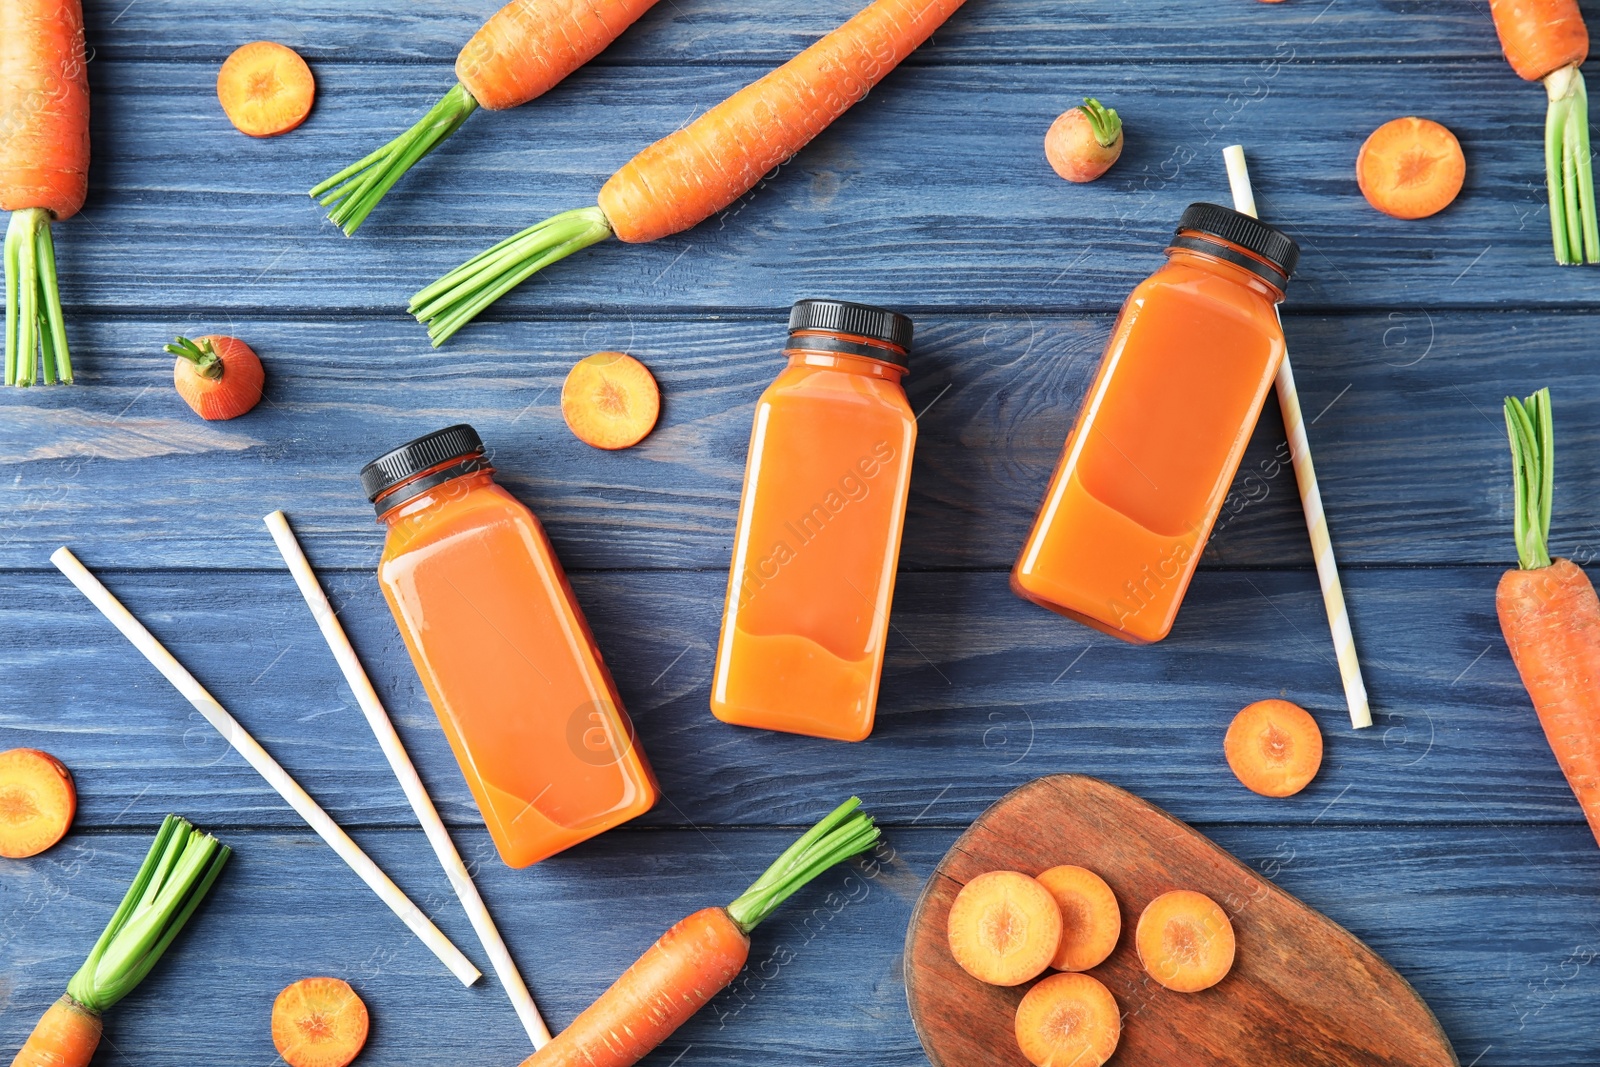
pixel 814 555
pixel 503 650
pixel 1160 435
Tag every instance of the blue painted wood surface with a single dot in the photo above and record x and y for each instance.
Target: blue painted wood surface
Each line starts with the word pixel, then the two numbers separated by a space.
pixel 1445 836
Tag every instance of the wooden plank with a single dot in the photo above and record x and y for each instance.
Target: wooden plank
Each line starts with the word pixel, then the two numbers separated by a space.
pixel 723 31
pixel 824 982
pixel 1404 407
pixel 932 194
pixel 981 692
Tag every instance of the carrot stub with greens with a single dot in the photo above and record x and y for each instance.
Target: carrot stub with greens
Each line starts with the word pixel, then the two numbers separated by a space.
pixel 175 877
pixel 522 52
pixel 1545 41
pixel 690 175
pixel 1549 613
pixel 44 173
pixel 693 961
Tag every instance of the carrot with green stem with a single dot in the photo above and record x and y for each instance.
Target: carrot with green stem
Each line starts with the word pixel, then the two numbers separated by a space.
pixel 1545 41
pixel 175 877
pixel 1549 613
pixel 693 961
pixel 690 175
pixel 44 173
pixel 522 52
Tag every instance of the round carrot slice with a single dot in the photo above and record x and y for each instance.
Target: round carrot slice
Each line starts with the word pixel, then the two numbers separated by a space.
pixel 1004 928
pixel 1185 941
pixel 1091 922
pixel 610 400
pixel 1068 1019
pixel 1274 747
pixel 37 802
pixel 319 1022
pixel 265 89
pixel 1411 168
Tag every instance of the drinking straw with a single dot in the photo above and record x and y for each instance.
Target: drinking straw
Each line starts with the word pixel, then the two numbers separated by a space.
pixel 1305 476
pixel 265 765
pixel 378 718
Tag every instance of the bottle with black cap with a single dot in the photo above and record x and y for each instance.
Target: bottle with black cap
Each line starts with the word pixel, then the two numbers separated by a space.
pixel 1159 437
pixel 503 650
pixel 818 536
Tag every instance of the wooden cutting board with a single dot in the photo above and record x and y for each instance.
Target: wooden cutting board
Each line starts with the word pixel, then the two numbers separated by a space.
pixel 1303 992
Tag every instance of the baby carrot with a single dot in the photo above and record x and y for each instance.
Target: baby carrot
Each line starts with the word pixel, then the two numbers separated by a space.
pixel 523 51
pixel 175 877
pixel 1549 613
pixel 37 802
pixel 44 173
pixel 265 89
pixel 687 176
pixel 693 961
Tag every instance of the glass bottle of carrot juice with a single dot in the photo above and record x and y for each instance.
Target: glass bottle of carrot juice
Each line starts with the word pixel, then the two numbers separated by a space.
pixel 1161 432
pixel 503 650
pixel 818 538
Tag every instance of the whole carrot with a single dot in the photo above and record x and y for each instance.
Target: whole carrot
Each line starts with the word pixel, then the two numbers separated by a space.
pixel 522 52
pixel 44 172
pixel 175 877
pixel 697 958
pixel 1549 612
pixel 1546 40
pixel 687 176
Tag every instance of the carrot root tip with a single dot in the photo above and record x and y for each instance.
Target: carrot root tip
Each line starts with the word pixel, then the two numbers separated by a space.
pixel 351 194
pixel 36 332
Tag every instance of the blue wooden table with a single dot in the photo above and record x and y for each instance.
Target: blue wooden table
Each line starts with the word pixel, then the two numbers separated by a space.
pixel 1445 836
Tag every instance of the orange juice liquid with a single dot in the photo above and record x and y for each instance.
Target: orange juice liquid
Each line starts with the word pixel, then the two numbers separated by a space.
pixel 807 608
pixel 511 669
pixel 1147 467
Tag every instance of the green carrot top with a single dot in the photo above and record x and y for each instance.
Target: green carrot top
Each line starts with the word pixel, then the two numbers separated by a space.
pixel 1104 121
pixel 173 880
pixel 844 832
pixel 1533 448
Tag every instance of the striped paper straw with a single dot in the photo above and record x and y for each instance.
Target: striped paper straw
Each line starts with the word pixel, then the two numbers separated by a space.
pixel 378 718
pixel 1305 476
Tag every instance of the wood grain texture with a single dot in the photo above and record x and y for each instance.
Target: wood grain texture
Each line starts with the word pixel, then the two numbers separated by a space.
pixel 1302 989
pixel 933 193
pixel 824 983
pixel 981 692
pixel 724 31
pixel 1404 410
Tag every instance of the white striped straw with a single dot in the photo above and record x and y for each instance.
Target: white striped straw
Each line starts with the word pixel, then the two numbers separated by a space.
pixel 265 765
pixel 1305 475
pixel 378 718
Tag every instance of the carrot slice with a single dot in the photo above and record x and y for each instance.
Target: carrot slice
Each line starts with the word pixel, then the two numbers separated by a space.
pixel 1274 747
pixel 319 1022
pixel 610 400
pixel 1068 1019
pixel 265 89
pixel 1411 168
pixel 37 802
pixel 1185 941
pixel 1091 922
pixel 1004 928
